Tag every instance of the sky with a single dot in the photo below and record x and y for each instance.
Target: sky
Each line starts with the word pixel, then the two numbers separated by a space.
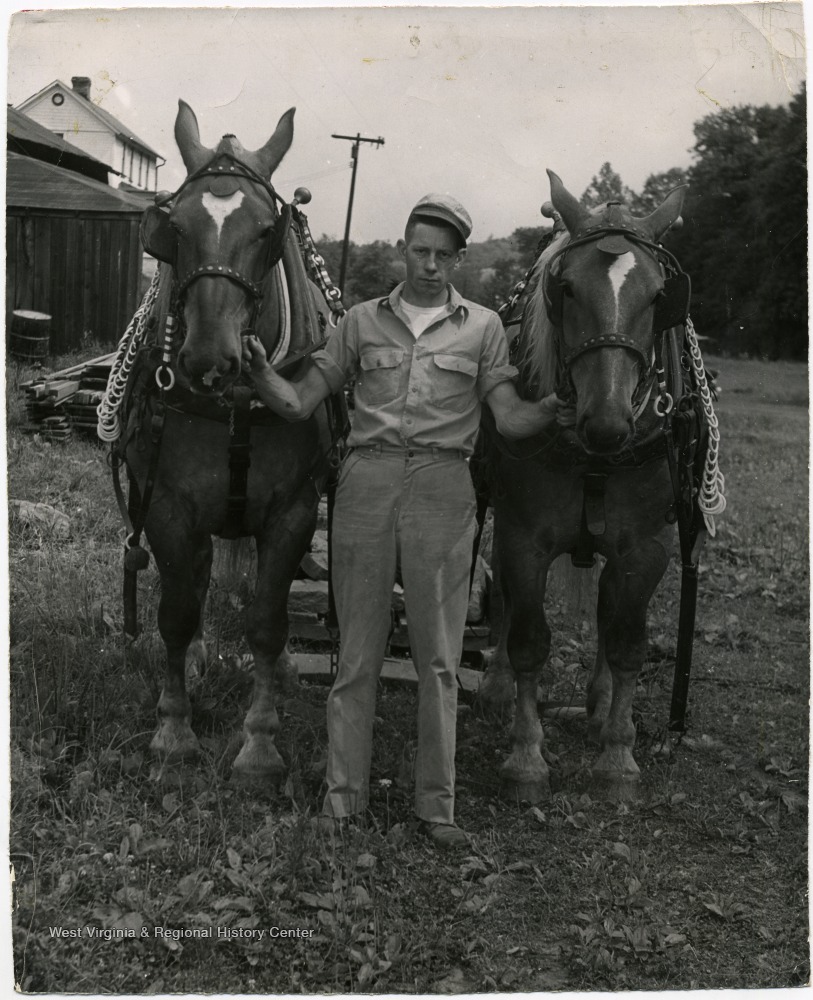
pixel 474 101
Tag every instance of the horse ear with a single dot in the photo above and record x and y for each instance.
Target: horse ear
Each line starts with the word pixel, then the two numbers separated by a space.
pixel 187 136
pixel 271 154
pixel 573 214
pixel 667 213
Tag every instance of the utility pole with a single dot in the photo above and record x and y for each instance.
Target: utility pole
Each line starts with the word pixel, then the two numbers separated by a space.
pixel 356 140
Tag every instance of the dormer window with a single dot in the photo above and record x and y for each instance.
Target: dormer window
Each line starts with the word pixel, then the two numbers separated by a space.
pixel 58 99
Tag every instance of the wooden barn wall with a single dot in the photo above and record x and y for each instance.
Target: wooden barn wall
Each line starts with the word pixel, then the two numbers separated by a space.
pixel 83 271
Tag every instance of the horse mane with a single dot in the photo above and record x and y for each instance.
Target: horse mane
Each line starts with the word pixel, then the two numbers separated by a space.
pixel 534 350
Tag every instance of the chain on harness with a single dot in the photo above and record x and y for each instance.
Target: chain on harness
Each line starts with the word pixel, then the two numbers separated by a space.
pixel 315 262
pixel 108 426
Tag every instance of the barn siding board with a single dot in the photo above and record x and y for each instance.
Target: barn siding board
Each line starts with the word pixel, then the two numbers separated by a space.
pixel 84 273
pixel 98 307
pixel 137 259
pixel 59 340
pixel 102 334
pixel 133 289
pixel 73 326
pixel 41 252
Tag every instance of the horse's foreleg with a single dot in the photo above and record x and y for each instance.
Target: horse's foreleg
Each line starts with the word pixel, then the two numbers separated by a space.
pixel 496 692
pixel 278 556
pixel 184 563
pixel 624 595
pixel 524 775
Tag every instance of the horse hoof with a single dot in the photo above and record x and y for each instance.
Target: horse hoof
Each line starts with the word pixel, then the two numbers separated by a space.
pixel 531 791
pixel 175 746
pixel 258 764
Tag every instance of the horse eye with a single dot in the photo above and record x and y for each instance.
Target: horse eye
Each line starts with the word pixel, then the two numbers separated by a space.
pixel 567 289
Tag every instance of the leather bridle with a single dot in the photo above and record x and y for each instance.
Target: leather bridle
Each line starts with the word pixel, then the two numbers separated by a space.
pixel 161 241
pixel 677 298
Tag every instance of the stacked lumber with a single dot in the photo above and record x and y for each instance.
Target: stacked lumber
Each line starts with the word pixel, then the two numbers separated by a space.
pixel 65 401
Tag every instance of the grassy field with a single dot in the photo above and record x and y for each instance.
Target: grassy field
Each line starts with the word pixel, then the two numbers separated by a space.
pixel 700 884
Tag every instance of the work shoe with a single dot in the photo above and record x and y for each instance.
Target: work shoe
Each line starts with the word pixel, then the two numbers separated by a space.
pixel 449 836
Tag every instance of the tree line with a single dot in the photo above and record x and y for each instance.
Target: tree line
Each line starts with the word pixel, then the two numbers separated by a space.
pixel 743 241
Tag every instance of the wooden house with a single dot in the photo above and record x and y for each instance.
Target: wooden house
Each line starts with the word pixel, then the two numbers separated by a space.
pixel 72 245
pixel 70 113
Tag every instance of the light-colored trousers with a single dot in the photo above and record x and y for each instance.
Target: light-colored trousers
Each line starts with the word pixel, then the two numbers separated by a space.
pixel 415 508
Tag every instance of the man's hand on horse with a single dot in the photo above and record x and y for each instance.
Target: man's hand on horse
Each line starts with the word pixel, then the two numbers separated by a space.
pixel 254 356
pixel 563 413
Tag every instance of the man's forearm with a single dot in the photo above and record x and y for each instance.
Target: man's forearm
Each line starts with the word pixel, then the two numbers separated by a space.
pixel 525 418
pixel 279 395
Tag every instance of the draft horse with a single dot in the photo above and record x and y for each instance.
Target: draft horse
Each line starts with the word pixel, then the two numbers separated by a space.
pixel 597 301
pixel 203 457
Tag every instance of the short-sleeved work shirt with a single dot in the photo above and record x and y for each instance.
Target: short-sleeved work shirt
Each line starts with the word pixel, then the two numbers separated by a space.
pixel 425 392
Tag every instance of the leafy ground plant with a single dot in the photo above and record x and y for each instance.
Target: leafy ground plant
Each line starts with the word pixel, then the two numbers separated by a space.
pixel 130 878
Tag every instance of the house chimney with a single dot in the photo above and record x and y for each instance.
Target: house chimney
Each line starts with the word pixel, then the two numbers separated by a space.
pixel 81 86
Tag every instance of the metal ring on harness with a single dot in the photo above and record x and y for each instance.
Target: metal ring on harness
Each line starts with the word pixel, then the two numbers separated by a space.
pixel 170 381
pixel 664 404
pixel 334 322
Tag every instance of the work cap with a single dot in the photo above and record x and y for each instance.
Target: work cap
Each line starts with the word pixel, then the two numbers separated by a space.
pixel 443 206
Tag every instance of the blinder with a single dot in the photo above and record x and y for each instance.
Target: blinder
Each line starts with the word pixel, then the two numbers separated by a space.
pixel 553 290
pixel 672 305
pixel 157 235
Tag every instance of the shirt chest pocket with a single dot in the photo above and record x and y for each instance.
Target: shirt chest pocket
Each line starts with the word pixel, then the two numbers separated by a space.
pixel 454 379
pixel 380 377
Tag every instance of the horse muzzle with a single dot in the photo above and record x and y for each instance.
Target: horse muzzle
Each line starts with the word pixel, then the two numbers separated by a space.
pixel 605 433
pixel 205 374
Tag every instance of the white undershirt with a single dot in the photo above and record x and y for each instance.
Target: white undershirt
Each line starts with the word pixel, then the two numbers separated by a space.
pixel 420 317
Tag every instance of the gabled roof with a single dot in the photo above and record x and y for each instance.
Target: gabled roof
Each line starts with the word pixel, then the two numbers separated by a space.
pixel 31 183
pixel 25 136
pixel 104 116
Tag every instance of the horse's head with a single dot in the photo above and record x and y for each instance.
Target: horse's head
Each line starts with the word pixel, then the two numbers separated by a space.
pixel 222 234
pixel 602 286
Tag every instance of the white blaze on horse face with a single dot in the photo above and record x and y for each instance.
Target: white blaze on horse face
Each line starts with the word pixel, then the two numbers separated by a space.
pixel 221 208
pixel 617 273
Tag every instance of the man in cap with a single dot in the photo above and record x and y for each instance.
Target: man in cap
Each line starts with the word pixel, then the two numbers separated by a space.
pixel 425 360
